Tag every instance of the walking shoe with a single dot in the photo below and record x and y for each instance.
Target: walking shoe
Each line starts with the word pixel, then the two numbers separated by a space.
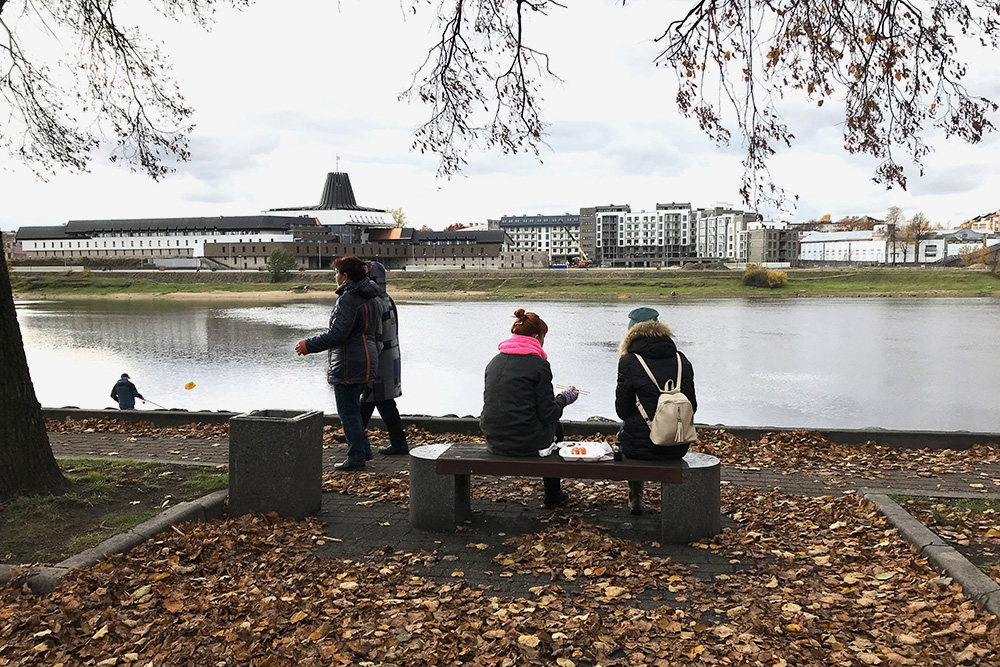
pixel 635 497
pixel 349 465
pixel 389 450
pixel 339 437
pixel 369 456
pixel 552 503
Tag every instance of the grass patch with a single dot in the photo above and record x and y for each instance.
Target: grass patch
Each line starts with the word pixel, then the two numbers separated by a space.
pixel 805 282
pixel 979 506
pixel 97 285
pixel 205 482
pixel 104 498
pixel 540 284
pixel 112 524
pixel 970 525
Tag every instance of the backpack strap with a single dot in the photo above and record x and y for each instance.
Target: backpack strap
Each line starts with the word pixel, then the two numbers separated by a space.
pixel 667 389
pixel 649 372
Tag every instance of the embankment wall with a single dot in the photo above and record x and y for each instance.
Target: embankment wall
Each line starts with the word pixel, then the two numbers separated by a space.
pixel 455 424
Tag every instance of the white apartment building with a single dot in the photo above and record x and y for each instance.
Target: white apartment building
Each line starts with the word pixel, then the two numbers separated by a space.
pixel 556 235
pixel 645 238
pixel 720 232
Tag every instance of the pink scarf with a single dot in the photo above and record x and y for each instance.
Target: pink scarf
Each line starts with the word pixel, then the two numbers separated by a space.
pixel 523 345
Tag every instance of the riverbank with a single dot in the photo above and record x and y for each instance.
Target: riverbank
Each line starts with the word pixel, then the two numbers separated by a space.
pixel 591 284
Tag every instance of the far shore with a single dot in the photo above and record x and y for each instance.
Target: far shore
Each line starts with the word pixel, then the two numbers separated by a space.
pixel 404 295
pixel 590 285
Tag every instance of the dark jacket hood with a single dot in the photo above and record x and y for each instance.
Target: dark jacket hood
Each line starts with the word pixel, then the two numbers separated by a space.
pixel 376 273
pixel 649 339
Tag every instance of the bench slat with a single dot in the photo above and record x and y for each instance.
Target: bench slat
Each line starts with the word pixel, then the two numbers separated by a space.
pixel 471 459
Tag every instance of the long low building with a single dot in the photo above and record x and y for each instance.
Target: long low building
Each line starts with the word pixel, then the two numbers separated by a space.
pixel 409 250
pixel 881 246
pixel 151 238
pixel 247 243
pixel 314 235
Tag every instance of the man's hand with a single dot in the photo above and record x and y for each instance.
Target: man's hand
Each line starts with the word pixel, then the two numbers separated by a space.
pixel 300 347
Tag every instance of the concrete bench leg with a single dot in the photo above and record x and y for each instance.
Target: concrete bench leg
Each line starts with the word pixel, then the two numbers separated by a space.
pixel 692 510
pixel 438 503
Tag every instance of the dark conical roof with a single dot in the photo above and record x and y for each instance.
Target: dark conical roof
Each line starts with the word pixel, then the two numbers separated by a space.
pixel 337 194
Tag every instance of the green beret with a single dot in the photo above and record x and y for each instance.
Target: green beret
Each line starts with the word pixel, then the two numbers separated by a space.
pixel 641 315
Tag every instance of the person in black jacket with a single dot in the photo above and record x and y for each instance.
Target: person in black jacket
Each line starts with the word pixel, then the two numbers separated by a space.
pixel 654 341
pixel 125 393
pixel 520 412
pixel 355 326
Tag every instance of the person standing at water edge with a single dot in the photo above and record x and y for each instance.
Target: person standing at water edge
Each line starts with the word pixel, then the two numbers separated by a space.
pixel 654 342
pixel 125 393
pixel 388 386
pixel 520 412
pixel 355 326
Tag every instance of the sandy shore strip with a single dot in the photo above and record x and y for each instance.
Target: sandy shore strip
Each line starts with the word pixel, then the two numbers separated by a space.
pixel 265 296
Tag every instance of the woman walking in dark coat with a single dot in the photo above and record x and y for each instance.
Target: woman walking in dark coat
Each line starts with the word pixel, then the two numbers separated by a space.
pixel 654 341
pixel 520 411
pixel 353 360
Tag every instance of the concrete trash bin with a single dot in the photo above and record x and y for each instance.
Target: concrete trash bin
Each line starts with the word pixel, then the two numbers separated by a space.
pixel 276 462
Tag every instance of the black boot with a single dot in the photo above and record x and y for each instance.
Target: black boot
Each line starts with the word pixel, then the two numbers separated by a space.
pixel 554 495
pixel 635 497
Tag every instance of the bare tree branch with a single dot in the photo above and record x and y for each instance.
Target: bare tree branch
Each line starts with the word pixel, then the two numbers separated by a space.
pixel 482 82
pixel 892 64
pixel 89 81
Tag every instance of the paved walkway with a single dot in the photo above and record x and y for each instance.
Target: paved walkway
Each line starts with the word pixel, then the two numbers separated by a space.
pixel 985 482
pixel 363 530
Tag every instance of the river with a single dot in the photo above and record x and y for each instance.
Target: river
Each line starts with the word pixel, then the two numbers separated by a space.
pixel 895 363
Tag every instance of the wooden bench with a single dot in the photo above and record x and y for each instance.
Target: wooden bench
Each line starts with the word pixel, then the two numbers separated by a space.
pixel 440 485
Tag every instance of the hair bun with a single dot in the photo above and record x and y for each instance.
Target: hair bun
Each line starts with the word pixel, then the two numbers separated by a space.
pixel 519 314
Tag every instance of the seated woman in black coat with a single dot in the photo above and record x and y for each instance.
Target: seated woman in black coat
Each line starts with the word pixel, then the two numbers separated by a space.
pixel 520 411
pixel 654 341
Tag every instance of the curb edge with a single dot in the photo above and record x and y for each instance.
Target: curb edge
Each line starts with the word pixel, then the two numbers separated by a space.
pixel 981 588
pixel 44 579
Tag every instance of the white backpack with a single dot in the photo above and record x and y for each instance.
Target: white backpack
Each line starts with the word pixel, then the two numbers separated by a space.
pixel 673 421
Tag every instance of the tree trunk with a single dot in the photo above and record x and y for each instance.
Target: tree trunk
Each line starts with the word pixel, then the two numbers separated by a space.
pixel 26 461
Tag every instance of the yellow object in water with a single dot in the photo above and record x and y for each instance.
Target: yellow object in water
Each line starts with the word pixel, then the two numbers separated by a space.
pixel 190 385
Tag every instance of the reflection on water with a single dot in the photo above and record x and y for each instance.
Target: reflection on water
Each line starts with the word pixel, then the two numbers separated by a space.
pixel 849 363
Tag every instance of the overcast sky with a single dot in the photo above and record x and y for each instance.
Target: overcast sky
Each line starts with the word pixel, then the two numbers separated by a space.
pixel 281 89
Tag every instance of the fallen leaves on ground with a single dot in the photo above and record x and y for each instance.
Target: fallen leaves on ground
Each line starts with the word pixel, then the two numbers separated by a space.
pixel 137 429
pixel 145 429
pixel 833 584
pixel 791 451
pixel 811 452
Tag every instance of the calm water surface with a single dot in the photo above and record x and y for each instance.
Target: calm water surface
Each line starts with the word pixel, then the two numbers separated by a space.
pixel 849 363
